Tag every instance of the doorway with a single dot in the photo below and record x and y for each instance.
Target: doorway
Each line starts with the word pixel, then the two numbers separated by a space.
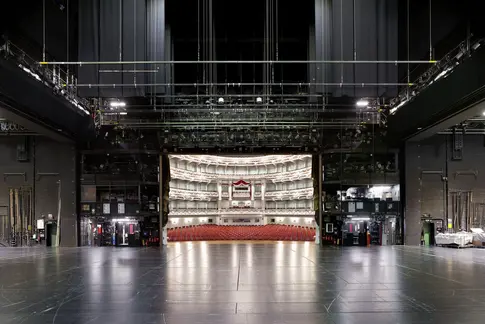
pixel 51 234
pixel 127 233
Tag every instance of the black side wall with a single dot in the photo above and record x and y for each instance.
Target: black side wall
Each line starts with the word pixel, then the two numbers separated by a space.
pixel 46 156
pixel 425 192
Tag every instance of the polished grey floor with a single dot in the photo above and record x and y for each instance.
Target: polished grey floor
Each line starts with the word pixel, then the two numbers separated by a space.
pixel 292 283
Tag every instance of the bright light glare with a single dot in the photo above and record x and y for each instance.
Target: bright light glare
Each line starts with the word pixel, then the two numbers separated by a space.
pixel 483 113
pixel 358 219
pixel 362 103
pixel 117 104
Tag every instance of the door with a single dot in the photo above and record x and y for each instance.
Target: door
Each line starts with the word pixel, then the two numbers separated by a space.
pixel 122 234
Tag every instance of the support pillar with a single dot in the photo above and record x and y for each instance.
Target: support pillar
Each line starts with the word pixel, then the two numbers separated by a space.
pixel 320 202
pixel 219 193
pixel 229 189
pixel 164 178
pixel 263 193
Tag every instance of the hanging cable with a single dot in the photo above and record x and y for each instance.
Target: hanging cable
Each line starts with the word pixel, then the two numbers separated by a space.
pixel 198 49
pixel 204 44
pixel 265 50
pixel 354 43
pixel 277 30
pixel 121 32
pixel 153 26
pixel 341 41
pixel 408 50
pixel 43 31
pixel 355 33
pixel 430 33
pixel 198 31
pixel 67 40
pixel 134 40
pixel 210 49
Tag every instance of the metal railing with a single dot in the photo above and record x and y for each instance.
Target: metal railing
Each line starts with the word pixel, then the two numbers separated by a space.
pixel 62 82
pixel 441 69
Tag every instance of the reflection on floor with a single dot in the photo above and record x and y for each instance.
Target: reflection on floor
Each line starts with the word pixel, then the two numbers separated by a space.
pixel 257 283
pixel 242 233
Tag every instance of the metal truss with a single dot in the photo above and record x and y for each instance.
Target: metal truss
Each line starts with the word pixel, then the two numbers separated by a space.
pixel 437 71
pixel 241 211
pixel 240 161
pixel 52 76
pixel 304 173
pixel 168 62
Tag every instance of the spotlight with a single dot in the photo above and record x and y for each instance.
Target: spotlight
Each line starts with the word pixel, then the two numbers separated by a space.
pixel 259 100
pixel 483 113
pixel 116 104
pixel 362 103
pixel 220 100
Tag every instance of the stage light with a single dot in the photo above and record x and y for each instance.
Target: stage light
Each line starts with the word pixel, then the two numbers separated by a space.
pixel 220 100
pixel 483 113
pixel 259 100
pixel 116 104
pixel 362 103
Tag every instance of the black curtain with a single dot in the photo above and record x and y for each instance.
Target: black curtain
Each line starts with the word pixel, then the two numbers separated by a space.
pixel 114 30
pixel 134 45
pixel 110 47
pixel 323 44
pixel 155 45
pixel 88 46
pixel 367 30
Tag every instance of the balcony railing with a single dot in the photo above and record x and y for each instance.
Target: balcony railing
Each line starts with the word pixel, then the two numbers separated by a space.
pixel 194 176
pixel 242 211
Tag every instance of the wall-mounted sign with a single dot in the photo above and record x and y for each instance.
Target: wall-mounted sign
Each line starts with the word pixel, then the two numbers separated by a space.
pixel 88 193
pixel 9 127
pixel 40 224
pixel 351 207
pixel 106 209
pixel 121 208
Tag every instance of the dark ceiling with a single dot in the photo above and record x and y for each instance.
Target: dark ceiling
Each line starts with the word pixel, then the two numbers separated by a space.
pixel 293 113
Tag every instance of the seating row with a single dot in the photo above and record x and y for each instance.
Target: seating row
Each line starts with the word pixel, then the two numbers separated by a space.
pixel 242 233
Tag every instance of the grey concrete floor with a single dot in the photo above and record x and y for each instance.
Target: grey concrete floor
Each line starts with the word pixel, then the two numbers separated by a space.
pixel 292 283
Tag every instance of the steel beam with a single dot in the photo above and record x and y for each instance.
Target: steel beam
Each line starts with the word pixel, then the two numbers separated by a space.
pixel 443 125
pixel 32 125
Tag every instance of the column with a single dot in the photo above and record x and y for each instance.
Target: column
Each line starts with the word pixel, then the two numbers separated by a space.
pixel 320 216
pixel 164 179
pixel 252 191
pixel 229 189
pixel 219 191
pixel 263 192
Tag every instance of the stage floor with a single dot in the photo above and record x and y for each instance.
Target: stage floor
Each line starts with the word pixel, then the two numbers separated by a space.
pixel 242 282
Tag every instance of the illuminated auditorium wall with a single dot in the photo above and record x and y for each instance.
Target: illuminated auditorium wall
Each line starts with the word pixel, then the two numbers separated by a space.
pixel 255 190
